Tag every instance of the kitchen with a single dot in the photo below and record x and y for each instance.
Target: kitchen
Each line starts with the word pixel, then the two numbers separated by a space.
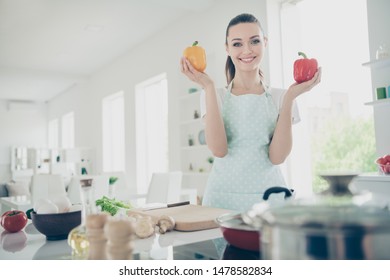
pixel 85 94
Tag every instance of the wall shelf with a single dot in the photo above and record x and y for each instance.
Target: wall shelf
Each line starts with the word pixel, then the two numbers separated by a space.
pixel 190 95
pixel 194 147
pixel 190 122
pixel 377 63
pixel 380 102
pixel 194 173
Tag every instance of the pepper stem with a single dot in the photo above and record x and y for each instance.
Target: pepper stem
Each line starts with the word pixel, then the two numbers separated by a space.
pixel 302 54
pixel 195 43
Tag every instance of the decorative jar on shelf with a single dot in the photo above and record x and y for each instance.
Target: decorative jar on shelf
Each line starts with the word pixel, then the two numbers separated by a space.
pixel 382 52
pixel 190 140
pixel 196 114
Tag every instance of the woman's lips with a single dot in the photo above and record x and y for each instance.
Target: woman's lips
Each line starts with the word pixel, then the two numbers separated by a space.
pixel 247 60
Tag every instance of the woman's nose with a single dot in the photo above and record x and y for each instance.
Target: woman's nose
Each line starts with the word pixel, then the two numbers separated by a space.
pixel 247 48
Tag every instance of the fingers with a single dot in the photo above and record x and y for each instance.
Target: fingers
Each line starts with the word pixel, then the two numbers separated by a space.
pixel 183 64
pixel 317 76
pixel 190 67
pixel 188 70
pixel 315 80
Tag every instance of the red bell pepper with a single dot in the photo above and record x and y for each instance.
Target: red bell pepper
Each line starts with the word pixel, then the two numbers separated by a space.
pixel 304 68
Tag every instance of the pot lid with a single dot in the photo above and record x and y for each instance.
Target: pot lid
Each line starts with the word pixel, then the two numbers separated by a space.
pixel 316 216
pixel 234 221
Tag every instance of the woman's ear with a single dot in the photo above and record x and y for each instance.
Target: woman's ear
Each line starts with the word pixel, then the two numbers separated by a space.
pixel 265 41
pixel 227 49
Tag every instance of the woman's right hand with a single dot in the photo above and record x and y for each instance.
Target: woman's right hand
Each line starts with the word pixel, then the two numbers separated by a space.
pixel 200 78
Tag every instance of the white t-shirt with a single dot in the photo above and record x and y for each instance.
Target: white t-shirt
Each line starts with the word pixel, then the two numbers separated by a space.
pixel 276 93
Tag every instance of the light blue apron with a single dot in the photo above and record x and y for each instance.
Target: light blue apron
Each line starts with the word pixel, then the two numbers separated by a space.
pixel 238 180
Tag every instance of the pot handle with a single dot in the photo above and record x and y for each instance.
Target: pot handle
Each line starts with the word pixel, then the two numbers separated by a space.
pixel 28 213
pixel 287 192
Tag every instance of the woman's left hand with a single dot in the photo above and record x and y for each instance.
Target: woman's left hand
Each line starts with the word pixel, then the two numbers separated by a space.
pixel 297 89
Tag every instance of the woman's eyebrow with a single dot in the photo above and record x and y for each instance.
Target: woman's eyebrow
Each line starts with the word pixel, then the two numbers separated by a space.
pixel 239 39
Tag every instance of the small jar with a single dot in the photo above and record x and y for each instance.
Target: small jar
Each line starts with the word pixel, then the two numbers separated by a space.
pixel 382 52
pixel 190 140
pixel 196 114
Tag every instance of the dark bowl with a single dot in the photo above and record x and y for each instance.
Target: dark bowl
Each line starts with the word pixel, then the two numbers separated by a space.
pixel 56 226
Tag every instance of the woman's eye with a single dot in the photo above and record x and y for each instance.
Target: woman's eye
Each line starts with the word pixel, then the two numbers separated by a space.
pixel 237 44
pixel 255 41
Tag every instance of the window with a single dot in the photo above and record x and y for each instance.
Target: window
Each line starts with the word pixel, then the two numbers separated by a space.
pixel 151 129
pixel 67 134
pixel 53 134
pixel 336 132
pixel 113 133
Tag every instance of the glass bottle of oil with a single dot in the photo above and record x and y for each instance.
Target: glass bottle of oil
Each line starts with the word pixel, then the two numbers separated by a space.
pixel 77 238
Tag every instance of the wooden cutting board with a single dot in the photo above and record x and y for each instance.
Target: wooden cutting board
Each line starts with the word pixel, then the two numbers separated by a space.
pixel 187 217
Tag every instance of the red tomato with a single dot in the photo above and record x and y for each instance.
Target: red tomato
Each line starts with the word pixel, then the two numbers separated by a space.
pixel 381 160
pixel 14 220
pixel 387 158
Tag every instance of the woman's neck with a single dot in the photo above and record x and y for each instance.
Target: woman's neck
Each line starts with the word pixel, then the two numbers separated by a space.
pixel 249 82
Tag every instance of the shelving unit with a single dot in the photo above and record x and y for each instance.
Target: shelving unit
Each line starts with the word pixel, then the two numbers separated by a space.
pixel 380 76
pixel 194 153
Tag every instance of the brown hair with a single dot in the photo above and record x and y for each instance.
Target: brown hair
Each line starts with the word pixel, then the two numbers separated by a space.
pixel 230 69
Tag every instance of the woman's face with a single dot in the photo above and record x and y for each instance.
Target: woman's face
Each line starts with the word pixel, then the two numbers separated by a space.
pixel 245 46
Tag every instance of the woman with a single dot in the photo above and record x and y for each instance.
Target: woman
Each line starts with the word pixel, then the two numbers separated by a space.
pixel 248 128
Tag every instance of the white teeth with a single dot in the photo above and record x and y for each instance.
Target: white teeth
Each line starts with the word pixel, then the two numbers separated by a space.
pixel 247 59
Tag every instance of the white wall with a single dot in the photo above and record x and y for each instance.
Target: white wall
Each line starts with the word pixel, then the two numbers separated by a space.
pixel 158 54
pixel 22 127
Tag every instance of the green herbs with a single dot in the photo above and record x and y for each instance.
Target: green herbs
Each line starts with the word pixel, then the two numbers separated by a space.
pixel 111 205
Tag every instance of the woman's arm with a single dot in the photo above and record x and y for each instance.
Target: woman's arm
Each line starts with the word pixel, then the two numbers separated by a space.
pixel 281 143
pixel 214 127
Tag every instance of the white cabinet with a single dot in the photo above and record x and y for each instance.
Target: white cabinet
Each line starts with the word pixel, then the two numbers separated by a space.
pixel 66 162
pixel 195 157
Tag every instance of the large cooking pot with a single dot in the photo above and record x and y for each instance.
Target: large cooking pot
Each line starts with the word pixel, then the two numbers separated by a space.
pixel 238 233
pixel 327 227
pixel 325 232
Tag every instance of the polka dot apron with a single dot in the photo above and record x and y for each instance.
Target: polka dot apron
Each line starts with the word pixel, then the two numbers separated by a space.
pixel 238 180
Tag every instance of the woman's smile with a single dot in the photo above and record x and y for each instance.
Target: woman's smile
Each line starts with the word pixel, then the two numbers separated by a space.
pixel 247 60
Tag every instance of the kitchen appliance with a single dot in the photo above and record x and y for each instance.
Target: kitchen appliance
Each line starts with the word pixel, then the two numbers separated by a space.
pixel 331 226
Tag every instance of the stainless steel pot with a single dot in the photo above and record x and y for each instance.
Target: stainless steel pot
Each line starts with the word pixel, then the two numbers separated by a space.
pixel 329 226
pixel 323 231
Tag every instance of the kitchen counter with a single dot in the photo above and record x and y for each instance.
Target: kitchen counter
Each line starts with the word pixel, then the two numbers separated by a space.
pixel 376 184
pixel 29 244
